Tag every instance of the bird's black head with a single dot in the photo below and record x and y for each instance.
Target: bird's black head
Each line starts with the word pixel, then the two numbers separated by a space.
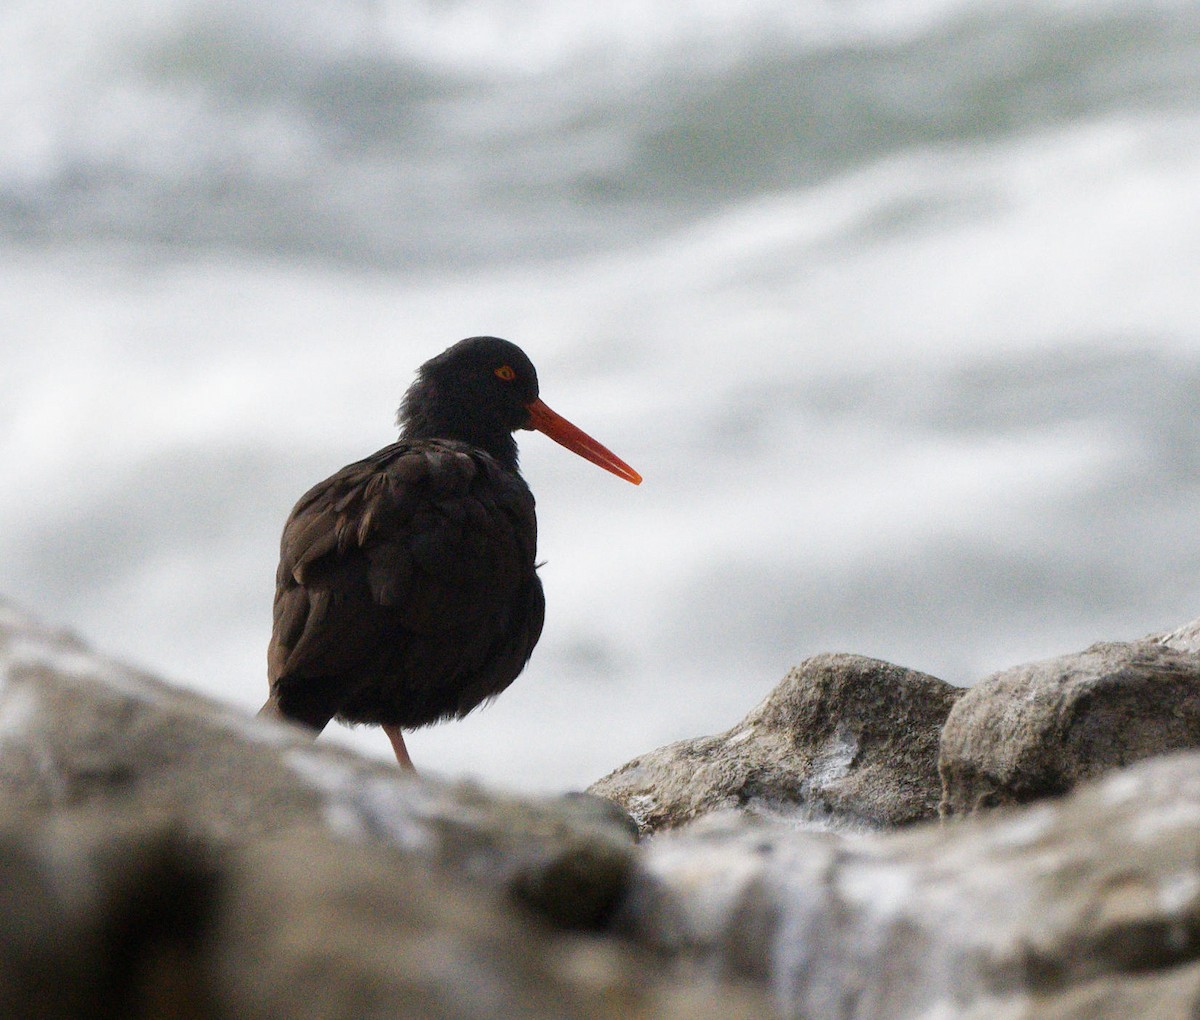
pixel 477 391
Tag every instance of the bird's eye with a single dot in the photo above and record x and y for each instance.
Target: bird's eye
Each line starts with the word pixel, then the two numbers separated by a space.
pixel 506 373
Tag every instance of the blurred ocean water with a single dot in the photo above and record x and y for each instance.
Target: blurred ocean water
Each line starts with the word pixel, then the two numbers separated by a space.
pixel 895 306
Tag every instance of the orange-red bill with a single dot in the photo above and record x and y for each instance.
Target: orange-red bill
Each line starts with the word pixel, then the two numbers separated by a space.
pixel 577 441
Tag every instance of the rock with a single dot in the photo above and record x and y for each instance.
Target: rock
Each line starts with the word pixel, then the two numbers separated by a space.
pixel 76 729
pixel 843 742
pixel 105 932
pixel 311 933
pixel 165 856
pixel 1185 638
pixel 162 855
pixel 111 916
pixel 1084 907
pixel 1037 730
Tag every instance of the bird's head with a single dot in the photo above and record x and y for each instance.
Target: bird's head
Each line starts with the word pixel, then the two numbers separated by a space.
pixel 482 390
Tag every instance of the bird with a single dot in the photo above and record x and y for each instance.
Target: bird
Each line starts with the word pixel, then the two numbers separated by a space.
pixel 407 589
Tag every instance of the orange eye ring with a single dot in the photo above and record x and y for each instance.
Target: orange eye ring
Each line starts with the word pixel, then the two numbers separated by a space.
pixel 506 373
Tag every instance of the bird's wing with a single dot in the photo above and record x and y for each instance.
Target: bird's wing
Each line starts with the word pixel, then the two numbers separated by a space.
pixel 426 538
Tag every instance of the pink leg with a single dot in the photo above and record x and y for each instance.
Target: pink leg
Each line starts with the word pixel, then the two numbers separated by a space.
pixel 397 739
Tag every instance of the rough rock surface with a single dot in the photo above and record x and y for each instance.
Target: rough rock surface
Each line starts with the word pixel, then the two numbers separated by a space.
pixel 120 917
pixel 283 877
pixel 107 929
pixel 1185 638
pixel 76 728
pixel 165 856
pixel 1086 907
pixel 1037 730
pixel 843 742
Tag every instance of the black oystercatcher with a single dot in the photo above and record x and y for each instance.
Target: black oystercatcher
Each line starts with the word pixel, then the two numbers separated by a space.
pixel 407 591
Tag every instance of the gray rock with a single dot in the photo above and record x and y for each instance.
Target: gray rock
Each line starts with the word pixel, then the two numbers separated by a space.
pixel 310 933
pixel 843 742
pixel 164 856
pixel 1185 638
pixel 101 932
pixel 1084 907
pixel 111 916
pixel 77 729
pixel 1037 730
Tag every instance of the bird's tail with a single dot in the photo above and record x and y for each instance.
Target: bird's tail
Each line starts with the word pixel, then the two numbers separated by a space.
pixel 304 710
pixel 271 709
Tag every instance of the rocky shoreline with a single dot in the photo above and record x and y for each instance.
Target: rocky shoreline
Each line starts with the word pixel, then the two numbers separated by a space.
pixel 869 842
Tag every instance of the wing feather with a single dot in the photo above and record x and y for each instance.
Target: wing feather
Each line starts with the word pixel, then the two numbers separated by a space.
pixel 420 539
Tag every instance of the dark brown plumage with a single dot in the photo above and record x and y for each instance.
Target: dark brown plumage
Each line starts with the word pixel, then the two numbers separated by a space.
pixel 407 591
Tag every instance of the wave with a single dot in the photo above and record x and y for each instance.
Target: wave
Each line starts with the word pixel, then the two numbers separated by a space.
pixel 420 134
